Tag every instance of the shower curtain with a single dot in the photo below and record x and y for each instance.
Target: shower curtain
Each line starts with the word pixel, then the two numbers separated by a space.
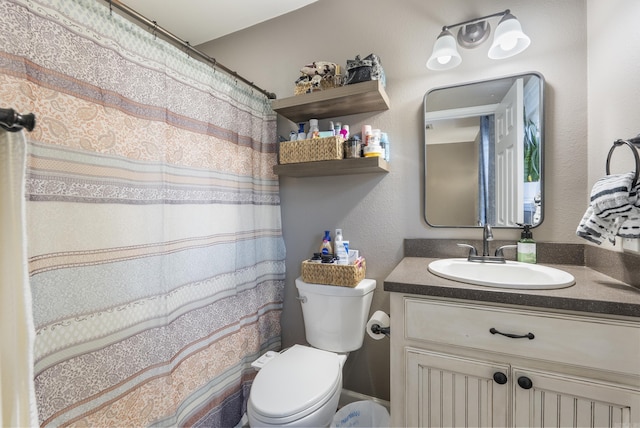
pixel 156 258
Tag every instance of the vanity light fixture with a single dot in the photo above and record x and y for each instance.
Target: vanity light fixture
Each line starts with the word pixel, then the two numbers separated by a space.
pixel 509 40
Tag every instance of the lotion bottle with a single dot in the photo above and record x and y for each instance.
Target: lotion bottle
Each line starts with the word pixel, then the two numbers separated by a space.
pixel 526 246
pixel 341 251
pixel 325 248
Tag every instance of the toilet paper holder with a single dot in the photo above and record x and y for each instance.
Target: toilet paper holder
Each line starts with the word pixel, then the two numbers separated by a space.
pixel 376 329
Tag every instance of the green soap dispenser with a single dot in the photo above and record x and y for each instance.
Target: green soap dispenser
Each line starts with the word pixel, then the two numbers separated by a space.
pixel 526 246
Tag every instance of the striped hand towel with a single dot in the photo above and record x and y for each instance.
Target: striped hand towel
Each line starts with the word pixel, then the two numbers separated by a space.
pixel 596 229
pixel 612 195
pixel 614 209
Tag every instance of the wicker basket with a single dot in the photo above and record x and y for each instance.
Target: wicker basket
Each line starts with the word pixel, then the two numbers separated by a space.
pixel 316 149
pixel 328 82
pixel 330 274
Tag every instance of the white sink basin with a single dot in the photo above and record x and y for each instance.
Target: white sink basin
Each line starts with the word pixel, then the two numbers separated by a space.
pixel 516 275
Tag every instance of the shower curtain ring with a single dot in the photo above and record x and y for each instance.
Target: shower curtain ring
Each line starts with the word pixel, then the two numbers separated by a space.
pixel 155 27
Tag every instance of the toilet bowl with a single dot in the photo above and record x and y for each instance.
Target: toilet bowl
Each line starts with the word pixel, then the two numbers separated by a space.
pixel 301 386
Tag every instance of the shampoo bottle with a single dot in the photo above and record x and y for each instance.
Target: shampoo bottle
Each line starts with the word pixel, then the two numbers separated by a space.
pixel 325 248
pixel 526 246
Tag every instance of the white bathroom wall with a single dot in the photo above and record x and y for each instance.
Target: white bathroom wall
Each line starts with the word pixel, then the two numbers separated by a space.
pixel 613 83
pixel 376 212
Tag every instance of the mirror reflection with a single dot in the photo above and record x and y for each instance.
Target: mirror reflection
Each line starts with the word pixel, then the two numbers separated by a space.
pixel 484 153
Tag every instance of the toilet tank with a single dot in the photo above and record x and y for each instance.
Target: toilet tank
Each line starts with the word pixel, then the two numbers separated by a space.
pixel 335 317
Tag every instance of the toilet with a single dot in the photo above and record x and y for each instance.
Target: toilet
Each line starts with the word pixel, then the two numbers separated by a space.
pixel 301 386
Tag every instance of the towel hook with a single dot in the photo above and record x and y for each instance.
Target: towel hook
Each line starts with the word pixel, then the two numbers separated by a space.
pixel 635 155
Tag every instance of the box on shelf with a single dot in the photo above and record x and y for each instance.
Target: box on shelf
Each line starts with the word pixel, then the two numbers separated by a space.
pixel 316 149
pixel 331 274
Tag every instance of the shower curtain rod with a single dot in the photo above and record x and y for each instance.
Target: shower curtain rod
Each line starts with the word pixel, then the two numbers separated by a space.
pixel 155 28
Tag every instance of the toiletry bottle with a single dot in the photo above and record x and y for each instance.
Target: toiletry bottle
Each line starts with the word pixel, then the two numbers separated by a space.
pixel 366 134
pixel 314 131
pixel 301 134
pixel 384 142
pixel 526 246
pixel 341 251
pixel 345 131
pixel 325 248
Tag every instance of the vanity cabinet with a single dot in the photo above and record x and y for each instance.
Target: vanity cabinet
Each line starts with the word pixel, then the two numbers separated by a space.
pixel 452 366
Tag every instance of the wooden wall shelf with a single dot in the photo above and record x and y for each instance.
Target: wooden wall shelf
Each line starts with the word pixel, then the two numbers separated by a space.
pixel 336 102
pixel 333 167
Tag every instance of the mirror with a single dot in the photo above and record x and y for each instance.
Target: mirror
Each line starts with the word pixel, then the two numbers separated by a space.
pixel 484 146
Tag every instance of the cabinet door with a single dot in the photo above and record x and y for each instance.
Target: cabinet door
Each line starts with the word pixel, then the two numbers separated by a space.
pixel 552 399
pixel 446 391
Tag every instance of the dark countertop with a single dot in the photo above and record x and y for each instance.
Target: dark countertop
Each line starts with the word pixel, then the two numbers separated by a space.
pixel 593 292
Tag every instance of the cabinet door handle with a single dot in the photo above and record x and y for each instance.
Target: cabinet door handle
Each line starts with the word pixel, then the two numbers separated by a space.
pixel 500 378
pixel 525 382
pixel 529 336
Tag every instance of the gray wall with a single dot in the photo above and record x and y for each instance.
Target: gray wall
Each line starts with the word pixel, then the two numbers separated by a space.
pixel 376 212
pixel 457 201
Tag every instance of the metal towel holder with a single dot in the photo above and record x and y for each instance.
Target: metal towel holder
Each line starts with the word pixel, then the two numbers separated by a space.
pixel 633 143
pixel 12 121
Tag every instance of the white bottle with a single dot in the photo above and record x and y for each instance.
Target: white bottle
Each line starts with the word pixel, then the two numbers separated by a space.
pixel 340 250
pixel 314 131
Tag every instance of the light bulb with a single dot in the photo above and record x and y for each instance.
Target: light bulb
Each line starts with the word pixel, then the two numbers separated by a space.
pixel 509 42
pixel 445 54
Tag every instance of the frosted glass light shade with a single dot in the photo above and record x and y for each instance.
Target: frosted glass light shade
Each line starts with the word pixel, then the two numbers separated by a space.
pixel 445 53
pixel 509 39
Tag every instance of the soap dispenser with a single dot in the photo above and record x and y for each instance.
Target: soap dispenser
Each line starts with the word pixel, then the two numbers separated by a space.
pixel 526 246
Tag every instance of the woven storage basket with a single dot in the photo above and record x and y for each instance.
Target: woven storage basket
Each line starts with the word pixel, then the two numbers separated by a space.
pixel 316 149
pixel 330 274
pixel 328 82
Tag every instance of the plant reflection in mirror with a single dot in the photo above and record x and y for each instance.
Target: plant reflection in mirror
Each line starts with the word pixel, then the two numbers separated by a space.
pixel 531 151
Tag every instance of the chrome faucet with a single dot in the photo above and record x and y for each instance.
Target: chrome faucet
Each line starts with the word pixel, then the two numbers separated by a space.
pixel 487 235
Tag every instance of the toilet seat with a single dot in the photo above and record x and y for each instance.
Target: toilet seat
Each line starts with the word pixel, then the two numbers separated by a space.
pixel 295 384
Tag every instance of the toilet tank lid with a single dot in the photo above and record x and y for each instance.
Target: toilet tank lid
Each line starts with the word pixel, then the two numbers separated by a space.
pixel 364 287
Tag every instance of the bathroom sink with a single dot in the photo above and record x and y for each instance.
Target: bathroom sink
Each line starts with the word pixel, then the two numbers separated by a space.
pixel 516 275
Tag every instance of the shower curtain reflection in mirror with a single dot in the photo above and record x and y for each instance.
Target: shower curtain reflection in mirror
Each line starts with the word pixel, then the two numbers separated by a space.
pixel 486 177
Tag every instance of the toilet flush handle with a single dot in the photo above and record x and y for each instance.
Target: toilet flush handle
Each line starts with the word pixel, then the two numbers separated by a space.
pixel 303 299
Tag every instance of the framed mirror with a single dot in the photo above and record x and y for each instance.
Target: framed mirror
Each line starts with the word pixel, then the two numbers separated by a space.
pixel 484 147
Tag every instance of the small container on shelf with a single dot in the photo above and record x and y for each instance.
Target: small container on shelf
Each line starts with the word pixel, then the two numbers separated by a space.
pixel 352 148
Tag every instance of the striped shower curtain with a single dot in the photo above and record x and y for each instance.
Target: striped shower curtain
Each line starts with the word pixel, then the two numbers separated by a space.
pixel 155 252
